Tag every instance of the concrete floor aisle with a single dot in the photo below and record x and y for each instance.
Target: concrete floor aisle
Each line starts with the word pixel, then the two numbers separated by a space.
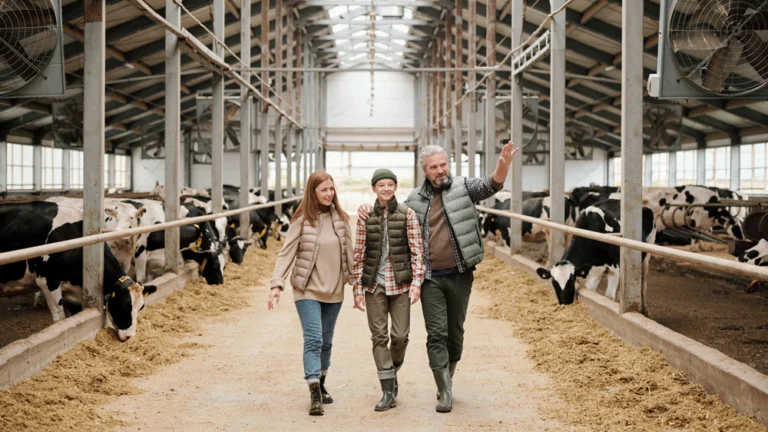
pixel 249 377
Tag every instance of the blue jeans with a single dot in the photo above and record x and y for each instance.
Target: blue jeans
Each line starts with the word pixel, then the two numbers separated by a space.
pixel 317 323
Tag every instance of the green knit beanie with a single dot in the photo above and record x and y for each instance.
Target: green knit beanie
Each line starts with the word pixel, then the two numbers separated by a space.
pixel 383 173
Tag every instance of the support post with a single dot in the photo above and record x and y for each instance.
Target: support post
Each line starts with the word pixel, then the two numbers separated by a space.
pixel 37 167
pixel 489 140
pixel 448 95
pixel 672 169
pixel 246 115
pixel 217 116
pixel 557 132
pixel 701 159
pixel 110 170
pixel 172 136
pixel 458 131
pixel 278 162
pixel 4 163
pixel 264 148
pixel 472 98
pixel 515 180
pixel 93 148
pixel 631 298
pixel 735 163
pixel 66 168
pixel 264 144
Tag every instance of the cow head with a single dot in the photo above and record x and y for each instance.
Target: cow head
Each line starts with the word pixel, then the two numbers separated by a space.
pixel 237 245
pixel 123 301
pixel 756 255
pixel 122 216
pixel 260 230
pixel 205 251
pixel 563 275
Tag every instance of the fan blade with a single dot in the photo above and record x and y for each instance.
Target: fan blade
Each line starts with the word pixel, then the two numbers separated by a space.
pixel 756 52
pixel 654 141
pixel 669 140
pixel 696 40
pixel 736 10
pixel 15 54
pixel 721 65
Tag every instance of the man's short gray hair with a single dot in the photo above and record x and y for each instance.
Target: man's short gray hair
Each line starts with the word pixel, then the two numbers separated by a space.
pixel 428 151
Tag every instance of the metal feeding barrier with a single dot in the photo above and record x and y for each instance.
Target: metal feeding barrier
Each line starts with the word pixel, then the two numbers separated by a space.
pixel 52 248
pixel 705 261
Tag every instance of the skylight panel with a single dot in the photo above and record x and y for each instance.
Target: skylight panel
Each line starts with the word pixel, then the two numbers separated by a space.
pixel 401 27
pixel 340 27
pixel 337 11
pixel 399 41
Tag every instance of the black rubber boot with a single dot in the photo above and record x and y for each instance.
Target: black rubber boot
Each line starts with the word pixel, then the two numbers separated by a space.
pixel 388 395
pixel 327 399
pixel 443 381
pixel 316 407
pixel 397 387
pixel 452 370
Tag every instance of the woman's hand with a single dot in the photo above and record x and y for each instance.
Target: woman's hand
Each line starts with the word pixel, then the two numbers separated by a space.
pixel 414 294
pixel 274 296
pixel 359 302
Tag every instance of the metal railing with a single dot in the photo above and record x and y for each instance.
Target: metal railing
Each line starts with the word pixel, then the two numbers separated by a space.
pixel 709 262
pixel 52 248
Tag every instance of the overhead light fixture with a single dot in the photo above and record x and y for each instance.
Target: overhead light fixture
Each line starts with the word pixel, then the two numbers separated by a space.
pixel 129 66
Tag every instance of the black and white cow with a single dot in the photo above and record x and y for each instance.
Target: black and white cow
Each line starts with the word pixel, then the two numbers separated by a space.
pixel 756 255
pixel 584 197
pixel 59 276
pixel 533 207
pixel 702 218
pixel 259 227
pixel 232 244
pixel 592 259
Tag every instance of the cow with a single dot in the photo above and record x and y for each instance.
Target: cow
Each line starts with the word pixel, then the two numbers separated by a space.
pixel 159 190
pixel 197 242
pixel 117 216
pixel 592 259
pixel 533 207
pixel 702 218
pixel 584 197
pixel 259 219
pixel 233 245
pixel 59 276
pixel 756 255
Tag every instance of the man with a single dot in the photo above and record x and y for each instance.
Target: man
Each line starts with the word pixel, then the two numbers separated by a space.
pixel 388 271
pixel 445 207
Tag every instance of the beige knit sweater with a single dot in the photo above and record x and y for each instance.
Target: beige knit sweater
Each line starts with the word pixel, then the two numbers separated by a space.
pixel 327 277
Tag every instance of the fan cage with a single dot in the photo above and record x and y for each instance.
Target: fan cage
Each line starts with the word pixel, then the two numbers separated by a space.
pixel 722 54
pixel 28 38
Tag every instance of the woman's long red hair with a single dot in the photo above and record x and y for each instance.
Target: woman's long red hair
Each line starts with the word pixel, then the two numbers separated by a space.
pixel 309 207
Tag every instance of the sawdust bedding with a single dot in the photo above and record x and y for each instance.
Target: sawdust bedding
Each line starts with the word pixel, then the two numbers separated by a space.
pixel 67 394
pixel 603 383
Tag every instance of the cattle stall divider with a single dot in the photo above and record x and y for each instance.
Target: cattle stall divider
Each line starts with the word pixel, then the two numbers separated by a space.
pixel 736 383
pixel 26 357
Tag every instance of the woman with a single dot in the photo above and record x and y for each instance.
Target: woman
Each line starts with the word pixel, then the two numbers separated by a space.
pixel 319 249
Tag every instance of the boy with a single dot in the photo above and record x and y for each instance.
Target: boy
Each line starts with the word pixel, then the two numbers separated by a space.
pixel 388 272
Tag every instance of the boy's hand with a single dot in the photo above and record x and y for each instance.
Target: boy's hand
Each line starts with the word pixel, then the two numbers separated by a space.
pixel 359 302
pixel 414 294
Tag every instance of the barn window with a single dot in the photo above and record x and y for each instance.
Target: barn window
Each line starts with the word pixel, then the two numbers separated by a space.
pixel 53 169
pixel 122 172
pixel 685 171
pixel 718 167
pixel 106 170
pixel 753 168
pixel 659 169
pixel 614 171
pixel 21 167
pixel 75 169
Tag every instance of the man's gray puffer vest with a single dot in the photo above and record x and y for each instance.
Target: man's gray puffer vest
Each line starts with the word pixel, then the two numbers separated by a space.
pixel 462 217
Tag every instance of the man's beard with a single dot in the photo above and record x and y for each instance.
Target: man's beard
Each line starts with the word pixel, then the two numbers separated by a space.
pixel 442 181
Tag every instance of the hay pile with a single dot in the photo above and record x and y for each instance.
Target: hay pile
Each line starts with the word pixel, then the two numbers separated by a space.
pixel 66 395
pixel 604 383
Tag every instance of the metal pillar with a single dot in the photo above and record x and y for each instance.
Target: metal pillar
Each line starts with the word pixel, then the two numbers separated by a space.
pixel 291 134
pixel 632 47
pixel 278 162
pixel 93 149
pixel 735 165
pixel 37 167
pixel 66 168
pixel 490 96
pixel 448 89
pixel 297 185
pixel 246 115
pixel 264 147
pixel 672 169
pixel 701 167
pixel 515 181
pixel 172 135
pixel 4 163
pixel 457 126
pixel 557 132
pixel 217 116
pixel 264 123
pixel 278 57
pixel 472 98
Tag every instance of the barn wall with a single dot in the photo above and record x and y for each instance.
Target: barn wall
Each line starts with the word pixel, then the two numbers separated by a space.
pixel 146 172
pixel 577 173
pixel 349 95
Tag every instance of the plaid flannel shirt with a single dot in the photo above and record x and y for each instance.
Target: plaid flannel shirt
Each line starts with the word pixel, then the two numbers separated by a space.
pixel 478 188
pixel 417 259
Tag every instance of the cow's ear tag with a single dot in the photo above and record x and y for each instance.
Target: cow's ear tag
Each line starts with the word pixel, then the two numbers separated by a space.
pixel 146 294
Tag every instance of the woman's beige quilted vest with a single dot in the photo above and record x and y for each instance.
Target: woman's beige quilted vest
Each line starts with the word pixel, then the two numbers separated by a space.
pixel 306 255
